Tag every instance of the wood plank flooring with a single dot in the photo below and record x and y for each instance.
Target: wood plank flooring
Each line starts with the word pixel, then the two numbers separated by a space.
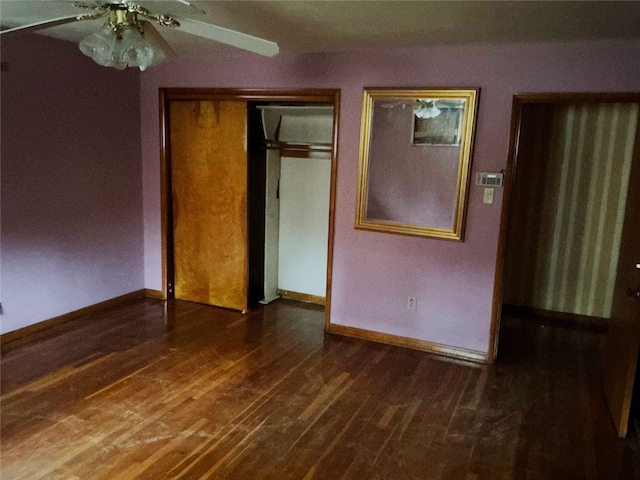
pixel 186 391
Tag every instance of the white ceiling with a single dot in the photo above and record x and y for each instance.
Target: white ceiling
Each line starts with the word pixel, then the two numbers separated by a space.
pixel 314 26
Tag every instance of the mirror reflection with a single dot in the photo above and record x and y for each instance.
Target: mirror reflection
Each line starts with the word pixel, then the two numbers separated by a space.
pixel 414 161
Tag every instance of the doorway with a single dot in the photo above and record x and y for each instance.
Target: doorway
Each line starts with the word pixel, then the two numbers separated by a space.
pixel 566 217
pixel 256 179
pixel 568 204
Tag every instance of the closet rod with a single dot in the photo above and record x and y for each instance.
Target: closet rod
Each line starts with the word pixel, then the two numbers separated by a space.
pixel 312 147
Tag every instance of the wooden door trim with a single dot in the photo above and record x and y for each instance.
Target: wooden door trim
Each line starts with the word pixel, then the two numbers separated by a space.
pixel 519 100
pixel 166 95
pixel 251 95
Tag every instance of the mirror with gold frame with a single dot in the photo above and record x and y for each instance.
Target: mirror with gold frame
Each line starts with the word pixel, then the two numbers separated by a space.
pixel 415 160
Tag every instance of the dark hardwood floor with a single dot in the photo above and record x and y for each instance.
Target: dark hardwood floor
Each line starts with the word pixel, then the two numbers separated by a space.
pixel 186 391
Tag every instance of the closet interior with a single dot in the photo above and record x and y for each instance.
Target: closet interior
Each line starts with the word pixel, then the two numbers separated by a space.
pixel 290 153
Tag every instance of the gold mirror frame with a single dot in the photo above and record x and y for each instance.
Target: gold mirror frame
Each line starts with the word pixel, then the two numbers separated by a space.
pixel 427 159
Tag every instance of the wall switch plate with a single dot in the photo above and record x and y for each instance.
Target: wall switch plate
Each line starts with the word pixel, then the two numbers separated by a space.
pixel 488 195
pixel 411 303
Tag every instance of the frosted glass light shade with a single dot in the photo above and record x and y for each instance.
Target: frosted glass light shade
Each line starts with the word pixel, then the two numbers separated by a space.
pixel 138 52
pixel 99 46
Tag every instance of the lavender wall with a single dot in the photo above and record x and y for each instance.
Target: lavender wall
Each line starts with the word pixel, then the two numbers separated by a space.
pixel 71 181
pixel 373 273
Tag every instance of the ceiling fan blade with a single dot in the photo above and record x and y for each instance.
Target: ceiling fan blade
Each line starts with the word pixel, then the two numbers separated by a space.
pixel 44 24
pixel 228 37
pixel 154 37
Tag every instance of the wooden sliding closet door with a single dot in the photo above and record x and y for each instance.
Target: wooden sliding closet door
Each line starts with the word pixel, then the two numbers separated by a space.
pixel 209 188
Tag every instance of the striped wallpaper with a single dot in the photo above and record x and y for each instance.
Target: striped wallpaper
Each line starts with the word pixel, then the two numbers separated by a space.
pixel 568 206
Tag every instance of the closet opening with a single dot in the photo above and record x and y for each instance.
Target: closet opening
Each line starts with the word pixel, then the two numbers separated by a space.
pixel 290 152
pixel 248 187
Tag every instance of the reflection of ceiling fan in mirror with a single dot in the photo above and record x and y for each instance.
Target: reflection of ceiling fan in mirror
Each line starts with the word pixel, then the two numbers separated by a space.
pixel 427 107
pixel 128 38
pixel 432 107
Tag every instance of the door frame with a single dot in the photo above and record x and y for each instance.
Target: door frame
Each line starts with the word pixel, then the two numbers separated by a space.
pixel 297 96
pixel 519 101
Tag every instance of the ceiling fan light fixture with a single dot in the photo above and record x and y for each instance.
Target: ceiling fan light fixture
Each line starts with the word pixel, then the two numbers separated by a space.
pixel 120 44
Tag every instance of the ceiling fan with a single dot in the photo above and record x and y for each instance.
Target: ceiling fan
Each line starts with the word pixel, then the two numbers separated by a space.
pixel 128 38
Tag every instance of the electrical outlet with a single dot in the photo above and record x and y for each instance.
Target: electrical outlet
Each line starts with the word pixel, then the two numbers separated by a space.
pixel 411 303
